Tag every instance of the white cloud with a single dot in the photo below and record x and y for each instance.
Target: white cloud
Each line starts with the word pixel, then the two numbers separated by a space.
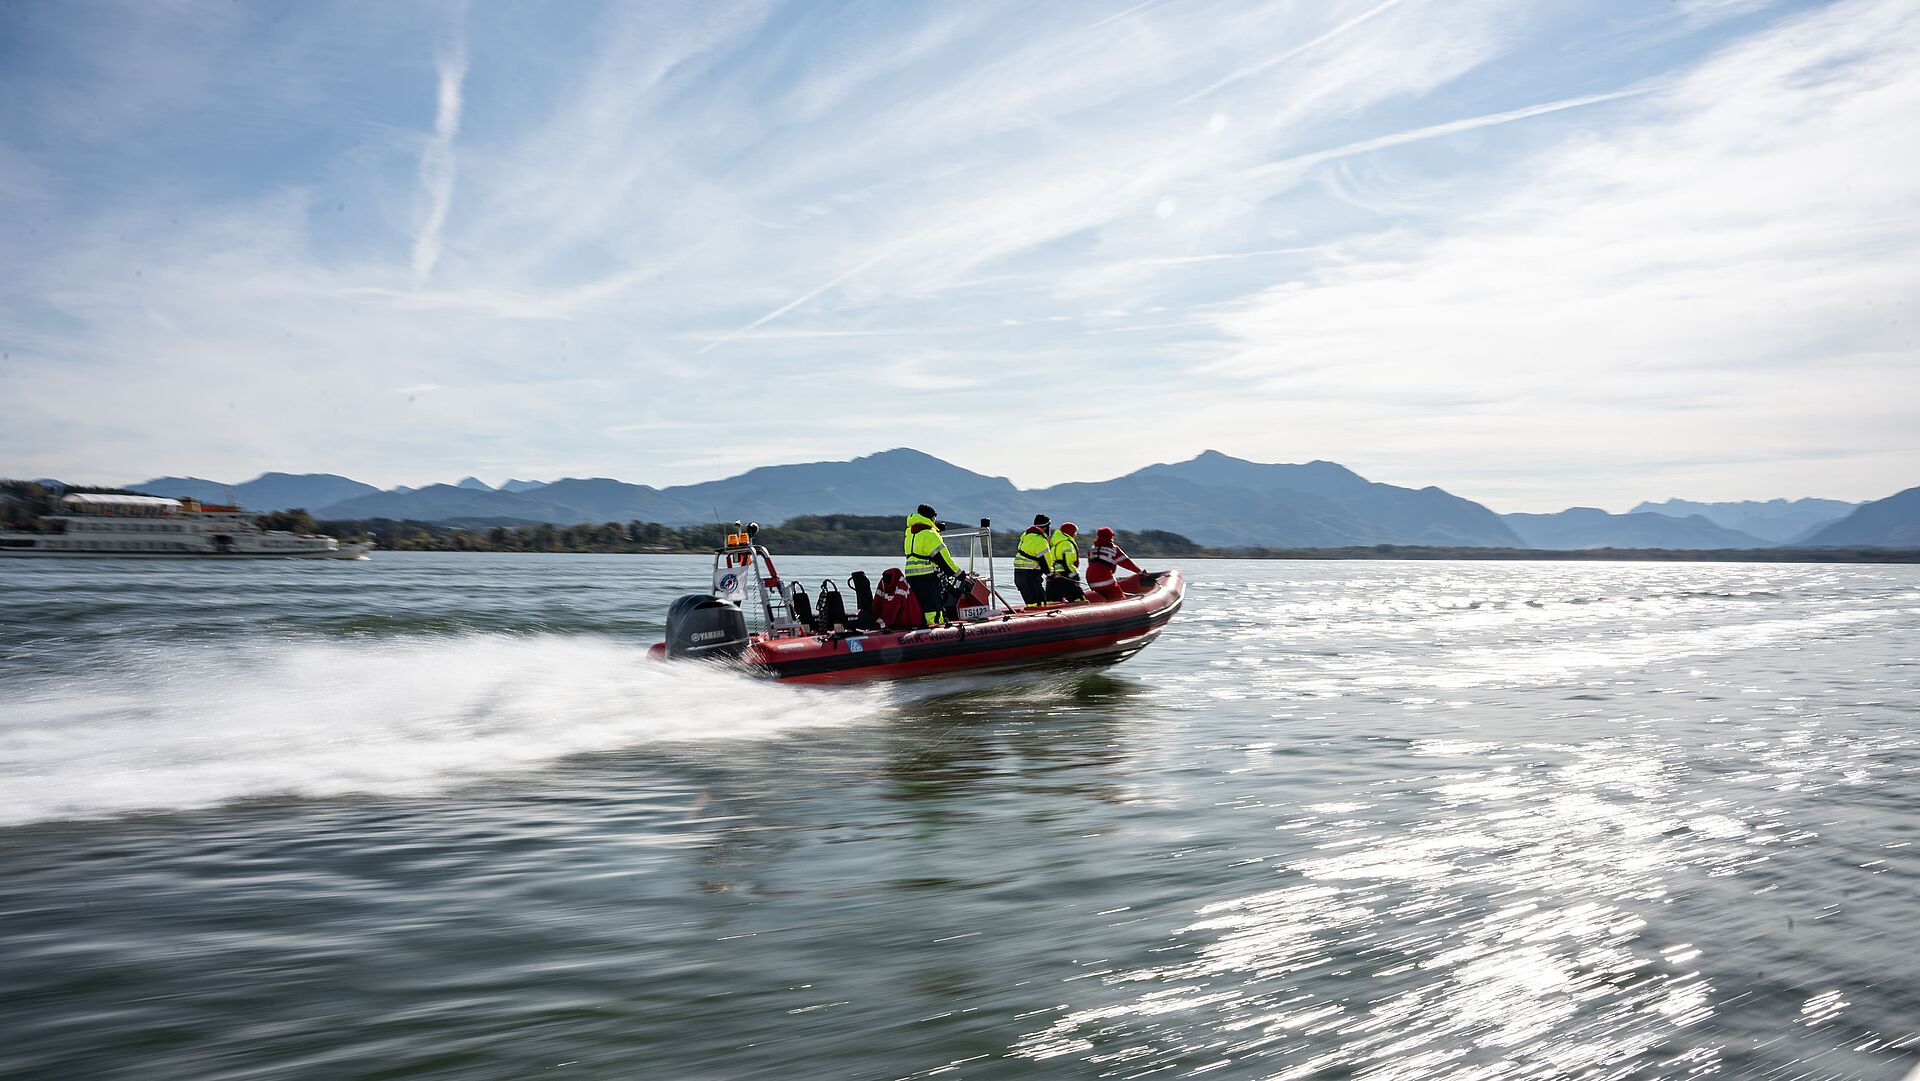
pixel 1731 271
pixel 439 166
pixel 1407 236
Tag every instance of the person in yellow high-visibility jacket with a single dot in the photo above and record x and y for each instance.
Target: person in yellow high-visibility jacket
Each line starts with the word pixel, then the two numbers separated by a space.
pixel 1064 583
pixel 1033 561
pixel 927 558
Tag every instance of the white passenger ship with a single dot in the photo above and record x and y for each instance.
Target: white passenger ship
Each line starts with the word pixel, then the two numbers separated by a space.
pixel 150 527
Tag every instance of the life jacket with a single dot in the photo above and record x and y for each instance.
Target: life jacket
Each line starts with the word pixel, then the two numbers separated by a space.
pixel 923 543
pixel 1103 560
pixel 1066 554
pixel 1034 552
pixel 894 604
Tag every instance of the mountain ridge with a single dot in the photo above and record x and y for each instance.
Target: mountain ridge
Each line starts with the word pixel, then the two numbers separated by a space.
pixel 1893 522
pixel 1590 527
pixel 1214 498
pixel 1776 521
pixel 266 492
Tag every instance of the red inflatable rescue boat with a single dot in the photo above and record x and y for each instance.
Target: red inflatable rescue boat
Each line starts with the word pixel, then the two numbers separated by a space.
pixel 834 646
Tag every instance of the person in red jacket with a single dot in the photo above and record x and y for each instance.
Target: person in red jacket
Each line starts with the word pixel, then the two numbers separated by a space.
pixel 894 602
pixel 1104 559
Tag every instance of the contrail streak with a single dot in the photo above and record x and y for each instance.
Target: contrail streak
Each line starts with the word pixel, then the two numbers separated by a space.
pixel 438 165
pixel 1122 14
pixel 1435 131
pixel 1255 69
pixel 783 309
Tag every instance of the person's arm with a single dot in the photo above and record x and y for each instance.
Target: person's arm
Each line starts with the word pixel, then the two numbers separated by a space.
pixel 1127 561
pixel 942 555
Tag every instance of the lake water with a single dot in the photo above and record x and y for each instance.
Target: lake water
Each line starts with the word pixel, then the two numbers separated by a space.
pixel 434 816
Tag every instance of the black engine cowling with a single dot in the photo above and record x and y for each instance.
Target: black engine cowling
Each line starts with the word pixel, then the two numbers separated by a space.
pixel 701 626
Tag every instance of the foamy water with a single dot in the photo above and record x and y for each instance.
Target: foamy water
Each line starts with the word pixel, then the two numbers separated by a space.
pixel 174 727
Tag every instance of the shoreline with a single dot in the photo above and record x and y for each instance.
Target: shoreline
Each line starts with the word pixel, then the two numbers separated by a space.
pixel 1388 554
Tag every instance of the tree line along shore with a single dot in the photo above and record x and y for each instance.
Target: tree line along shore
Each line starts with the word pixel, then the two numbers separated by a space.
pixel 23 507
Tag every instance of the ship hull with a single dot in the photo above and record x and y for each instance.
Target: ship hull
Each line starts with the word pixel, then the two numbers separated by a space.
pixel 43 553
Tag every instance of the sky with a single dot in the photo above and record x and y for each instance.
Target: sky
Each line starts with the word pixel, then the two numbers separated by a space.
pixel 1538 254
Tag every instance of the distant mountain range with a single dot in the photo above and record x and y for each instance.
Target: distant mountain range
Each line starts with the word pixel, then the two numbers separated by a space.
pixel 1588 527
pixel 1893 522
pixel 1776 521
pixel 269 491
pixel 1213 498
pixel 1220 500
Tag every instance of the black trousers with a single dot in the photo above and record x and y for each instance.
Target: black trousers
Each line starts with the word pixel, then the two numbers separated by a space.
pixel 1032 585
pixel 1060 588
pixel 929 592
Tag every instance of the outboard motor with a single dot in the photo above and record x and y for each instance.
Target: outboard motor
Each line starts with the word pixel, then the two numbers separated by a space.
pixel 703 626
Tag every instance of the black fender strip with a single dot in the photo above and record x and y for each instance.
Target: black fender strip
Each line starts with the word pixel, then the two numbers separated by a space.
pixel 907 651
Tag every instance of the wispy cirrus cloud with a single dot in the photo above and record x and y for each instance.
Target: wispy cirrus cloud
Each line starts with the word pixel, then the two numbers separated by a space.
pixel 1477 239
pixel 439 165
pixel 1721 252
pixel 1312 43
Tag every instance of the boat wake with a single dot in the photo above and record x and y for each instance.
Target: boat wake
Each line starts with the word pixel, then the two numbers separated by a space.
pixel 175 728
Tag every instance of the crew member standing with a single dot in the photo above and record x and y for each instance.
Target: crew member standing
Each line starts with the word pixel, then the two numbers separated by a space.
pixel 1063 584
pixel 927 558
pixel 1033 561
pixel 1103 559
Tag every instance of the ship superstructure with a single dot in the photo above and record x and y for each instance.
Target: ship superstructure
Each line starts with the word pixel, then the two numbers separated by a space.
pixel 153 527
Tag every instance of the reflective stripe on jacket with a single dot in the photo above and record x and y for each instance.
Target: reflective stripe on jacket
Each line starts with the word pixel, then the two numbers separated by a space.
pixel 926 552
pixel 1034 552
pixel 1066 555
pixel 1104 559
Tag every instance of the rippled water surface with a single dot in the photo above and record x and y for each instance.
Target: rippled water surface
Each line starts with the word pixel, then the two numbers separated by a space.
pixel 434 816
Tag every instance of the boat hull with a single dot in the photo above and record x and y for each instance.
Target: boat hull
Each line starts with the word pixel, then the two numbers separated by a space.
pixel 1099 633
pixel 355 552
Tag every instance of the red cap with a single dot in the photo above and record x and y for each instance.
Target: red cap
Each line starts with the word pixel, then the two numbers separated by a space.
pixel 1069 529
pixel 1103 534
